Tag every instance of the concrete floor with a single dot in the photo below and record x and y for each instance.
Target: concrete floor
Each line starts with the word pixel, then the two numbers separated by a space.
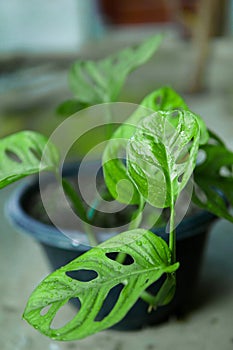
pixel 208 327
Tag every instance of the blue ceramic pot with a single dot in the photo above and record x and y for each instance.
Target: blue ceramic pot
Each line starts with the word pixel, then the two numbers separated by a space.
pixel 191 234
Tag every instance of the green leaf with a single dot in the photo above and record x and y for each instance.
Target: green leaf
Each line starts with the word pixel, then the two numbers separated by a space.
pixel 214 181
pixel 166 292
pixel 215 139
pixel 115 171
pixel 167 99
pixel 70 107
pixel 164 99
pixel 161 155
pixel 101 81
pixel 116 178
pixel 20 155
pixel 151 259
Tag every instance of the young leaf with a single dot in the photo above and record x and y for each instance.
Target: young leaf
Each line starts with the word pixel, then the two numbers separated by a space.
pixel 162 154
pixel 20 155
pixel 151 259
pixel 214 181
pixel 95 82
pixel 166 291
pixel 167 99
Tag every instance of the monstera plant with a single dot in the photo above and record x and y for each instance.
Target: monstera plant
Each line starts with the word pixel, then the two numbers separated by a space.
pixel 162 157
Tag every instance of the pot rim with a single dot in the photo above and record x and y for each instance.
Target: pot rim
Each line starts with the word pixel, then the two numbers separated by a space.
pixel 51 235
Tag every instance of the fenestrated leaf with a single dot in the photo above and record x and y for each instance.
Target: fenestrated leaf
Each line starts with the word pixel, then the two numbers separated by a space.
pixel 100 81
pixel 20 155
pixel 161 157
pixel 214 181
pixel 167 99
pixel 164 99
pixel 151 259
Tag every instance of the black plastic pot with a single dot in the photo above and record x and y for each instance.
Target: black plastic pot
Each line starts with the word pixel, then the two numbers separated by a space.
pixel 192 234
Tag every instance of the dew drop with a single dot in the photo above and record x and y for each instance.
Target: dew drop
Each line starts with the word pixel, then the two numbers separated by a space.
pixel 75 244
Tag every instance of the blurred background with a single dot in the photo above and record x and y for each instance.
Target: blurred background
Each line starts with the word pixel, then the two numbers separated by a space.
pixel 40 39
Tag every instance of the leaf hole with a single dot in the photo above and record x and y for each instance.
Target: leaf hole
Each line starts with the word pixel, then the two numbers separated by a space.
pixel 201 194
pixel 154 287
pixel 225 172
pixel 88 77
pixel 127 261
pixel 65 314
pixel 35 153
pixel 183 158
pixel 109 302
pixel 201 157
pixel 13 156
pixel 75 302
pixel 82 275
pixel 213 140
pixel 158 100
pixel 175 114
pixel 45 310
pixel 115 60
pixel 180 178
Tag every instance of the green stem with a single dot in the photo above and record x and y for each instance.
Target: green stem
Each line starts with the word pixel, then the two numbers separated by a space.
pixel 134 224
pixel 78 206
pixel 90 234
pixel 109 126
pixel 104 195
pixel 120 258
pixel 172 234
pixel 148 298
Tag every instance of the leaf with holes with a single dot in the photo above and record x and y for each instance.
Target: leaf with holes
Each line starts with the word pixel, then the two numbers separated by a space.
pixel 214 181
pixel 150 259
pixel 20 155
pixel 95 82
pixel 161 157
pixel 164 99
pixel 167 99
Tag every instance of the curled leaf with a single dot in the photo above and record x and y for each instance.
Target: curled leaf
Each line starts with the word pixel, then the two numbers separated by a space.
pixel 161 155
pixel 21 153
pixel 167 99
pixel 214 180
pixel 100 81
